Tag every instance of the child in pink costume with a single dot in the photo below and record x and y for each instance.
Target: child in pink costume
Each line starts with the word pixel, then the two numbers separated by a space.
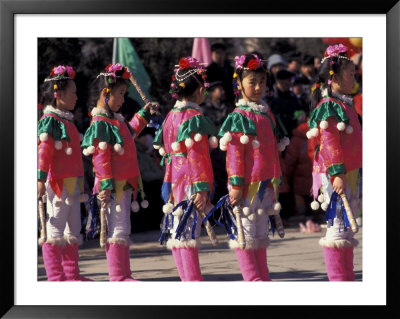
pixel 252 163
pixel 110 140
pixel 60 175
pixel 184 144
pixel 335 127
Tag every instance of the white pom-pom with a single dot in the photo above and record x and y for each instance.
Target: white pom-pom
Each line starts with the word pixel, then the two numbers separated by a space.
pixel 103 145
pixel 223 146
pixel 85 152
pixel 68 151
pixel 81 137
pixel 341 126
pixel 349 129
pixel 175 146
pixel 281 147
pixel 69 201
pixel 309 135
pixel 314 205
pixel 198 137
pixel 117 147
pixel 244 139
pixel 246 211
pixel 314 132
pixel 213 141
pixel 286 141
pixel 43 136
pixel 321 198
pixel 118 208
pixel 91 149
pixel 178 212
pixel 251 217
pixel 122 151
pixel 189 142
pixel 323 125
pixel 255 143
pixel 167 208
pixel 157 147
pixel 324 206
pixel 227 136
pixel 161 151
pixel 83 198
pixel 144 203
pixel 135 206
pixel 58 145
pixel 260 212
pixel 277 206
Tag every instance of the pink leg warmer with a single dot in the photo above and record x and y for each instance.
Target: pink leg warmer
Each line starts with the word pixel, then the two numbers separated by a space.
pixel 176 253
pixel 128 272
pixel 191 265
pixel 335 264
pixel 261 258
pixel 248 264
pixel 53 262
pixel 70 258
pixel 348 263
pixel 116 261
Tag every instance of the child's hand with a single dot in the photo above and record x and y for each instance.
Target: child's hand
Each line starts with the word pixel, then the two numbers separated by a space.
pixel 339 184
pixel 41 189
pixel 104 195
pixel 200 201
pixel 152 107
pixel 235 195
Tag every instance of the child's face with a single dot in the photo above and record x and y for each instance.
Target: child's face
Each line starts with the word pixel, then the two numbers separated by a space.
pixel 253 86
pixel 345 81
pixel 117 97
pixel 67 98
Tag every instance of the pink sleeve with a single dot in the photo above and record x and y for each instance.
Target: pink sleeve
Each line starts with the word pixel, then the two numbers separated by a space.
pixel 102 166
pixel 45 154
pixel 139 121
pixel 235 160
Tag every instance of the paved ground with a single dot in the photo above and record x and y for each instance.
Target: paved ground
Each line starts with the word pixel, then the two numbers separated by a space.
pixel 296 257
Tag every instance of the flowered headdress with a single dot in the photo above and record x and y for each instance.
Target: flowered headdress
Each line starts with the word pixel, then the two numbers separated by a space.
pixel 254 63
pixel 188 66
pixel 333 53
pixel 114 72
pixel 58 73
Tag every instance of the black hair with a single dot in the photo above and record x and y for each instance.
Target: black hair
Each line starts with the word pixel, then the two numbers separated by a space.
pixel 105 82
pixel 47 91
pixel 334 64
pixel 218 45
pixel 189 81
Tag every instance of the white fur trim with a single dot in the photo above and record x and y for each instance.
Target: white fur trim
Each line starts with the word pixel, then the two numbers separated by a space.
pixel 227 137
pixel 103 145
pixel 314 132
pixel 91 149
pixel 167 208
pixel 259 107
pixel 349 129
pixel 98 110
pixel 161 151
pixel 44 136
pixel 323 125
pixel 135 206
pixel 178 212
pixel 118 241
pixel 255 143
pixel 244 139
pixel 246 211
pixel 314 205
pixel 69 200
pixel 68 150
pixel 213 141
pixel 277 206
pixel 251 217
pixel 157 147
pixel 59 241
pixel 198 137
pixel 117 147
pixel 175 243
pixel 144 203
pixel 58 145
pixel 64 114
pixel 118 208
pixel 83 198
pixel 251 243
pixel 324 206
pixel 340 243
pixel 321 198
pixel 175 146
pixel 72 240
pixel 182 104
pixel 341 126
pixel 260 212
pixel 189 142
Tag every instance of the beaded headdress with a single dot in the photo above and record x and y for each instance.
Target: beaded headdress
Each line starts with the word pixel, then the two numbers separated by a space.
pixel 112 70
pixel 240 64
pixel 58 73
pixel 336 51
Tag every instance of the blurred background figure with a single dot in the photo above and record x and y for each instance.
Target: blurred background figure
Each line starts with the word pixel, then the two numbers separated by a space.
pixel 294 62
pixel 275 63
pixel 308 75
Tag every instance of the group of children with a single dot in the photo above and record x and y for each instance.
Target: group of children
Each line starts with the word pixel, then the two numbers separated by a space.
pixel 252 139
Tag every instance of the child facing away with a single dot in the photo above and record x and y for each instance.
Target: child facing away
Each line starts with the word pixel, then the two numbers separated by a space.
pixel 253 166
pixel 335 127
pixel 183 141
pixel 110 141
pixel 60 175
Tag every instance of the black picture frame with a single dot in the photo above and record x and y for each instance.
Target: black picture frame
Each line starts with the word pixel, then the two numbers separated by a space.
pixel 8 10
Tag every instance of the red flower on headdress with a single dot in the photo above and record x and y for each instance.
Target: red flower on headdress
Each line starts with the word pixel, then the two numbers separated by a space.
pixel 173 78
pixel 184 64
pixel 126 75
pixel 253 64
pixel 108 67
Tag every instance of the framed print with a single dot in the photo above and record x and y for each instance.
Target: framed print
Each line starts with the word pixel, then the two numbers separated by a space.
pixel 22 23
